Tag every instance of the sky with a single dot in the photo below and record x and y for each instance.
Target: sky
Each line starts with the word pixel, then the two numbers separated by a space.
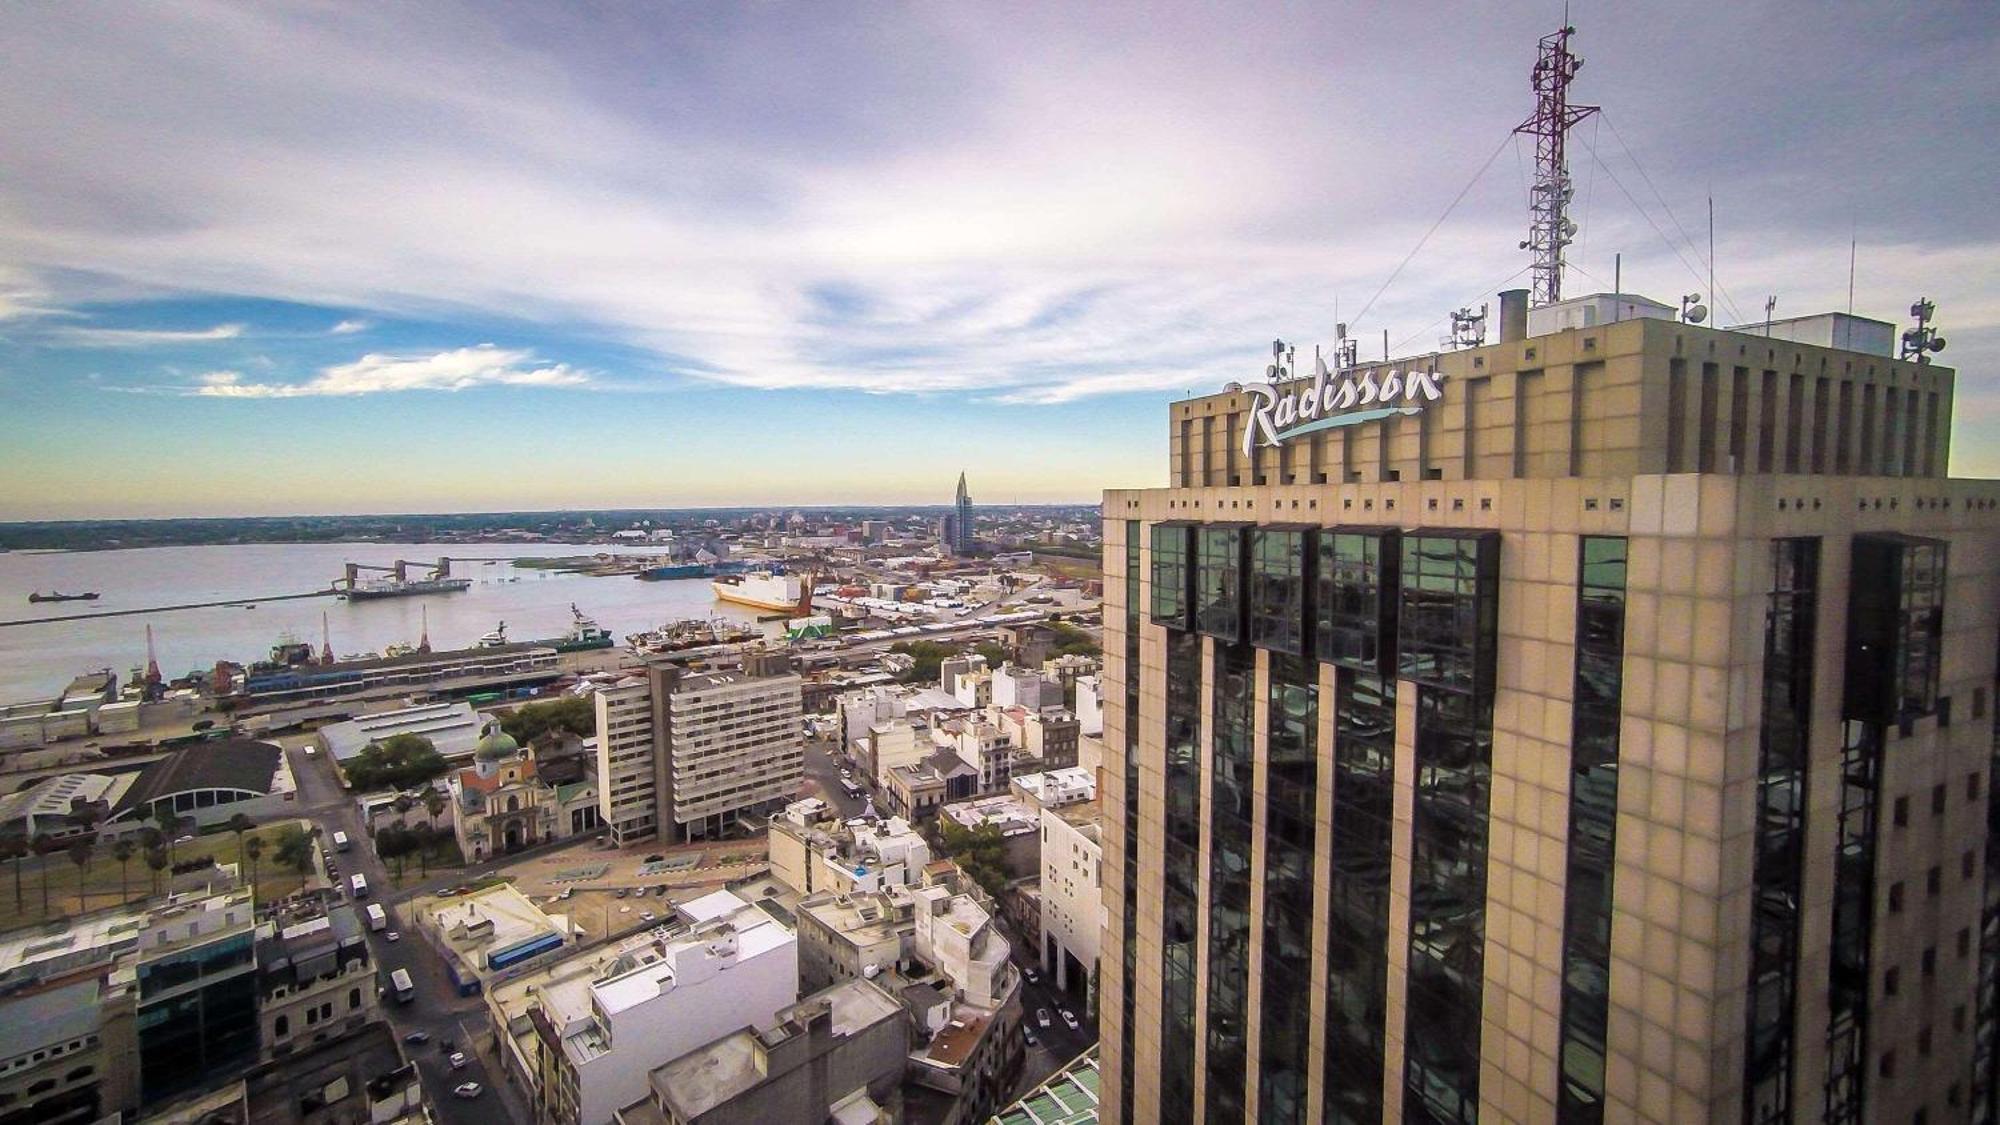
pixel 315 258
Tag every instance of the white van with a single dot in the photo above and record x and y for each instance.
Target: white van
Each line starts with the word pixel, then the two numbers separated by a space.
pixel 340 841
pixel 378 918
pixel 359 884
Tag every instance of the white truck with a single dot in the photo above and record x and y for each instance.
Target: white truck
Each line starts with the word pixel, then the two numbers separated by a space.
pixel 378 918
pixel 404 988
pixel 340 843
pixel 359 884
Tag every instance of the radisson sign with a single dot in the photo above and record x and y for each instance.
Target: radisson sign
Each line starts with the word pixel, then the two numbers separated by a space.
pixel 1329 404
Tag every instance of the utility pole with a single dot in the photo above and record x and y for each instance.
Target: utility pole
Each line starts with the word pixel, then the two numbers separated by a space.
pixel 1548 200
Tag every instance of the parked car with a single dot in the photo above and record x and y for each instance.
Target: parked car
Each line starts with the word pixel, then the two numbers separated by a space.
pixel 458 1060
pixel 622 892
pixel 1069 1018
pixel 656 858
pixel 417 1037
pixel 467 1089
pixel 1033 976
pixel 1028 1033
pixel 394 935
pixel 1042 1016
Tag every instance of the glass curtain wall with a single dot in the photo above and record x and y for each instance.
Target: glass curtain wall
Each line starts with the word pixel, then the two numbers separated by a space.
pixel 1180 907
pixel 1290 805
pixel 1229 797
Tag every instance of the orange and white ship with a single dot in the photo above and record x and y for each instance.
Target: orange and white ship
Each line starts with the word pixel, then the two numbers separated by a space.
pixel 760 590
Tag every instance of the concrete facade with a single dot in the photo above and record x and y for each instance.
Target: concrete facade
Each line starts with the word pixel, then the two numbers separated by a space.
pixel 1703 454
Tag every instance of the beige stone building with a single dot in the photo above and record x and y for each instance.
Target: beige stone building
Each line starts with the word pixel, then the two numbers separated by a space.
pixel 1591 725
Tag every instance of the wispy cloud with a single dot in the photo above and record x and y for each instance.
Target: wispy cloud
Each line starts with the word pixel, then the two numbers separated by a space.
pixel 456 370
pixel 142 337
pixel 350 327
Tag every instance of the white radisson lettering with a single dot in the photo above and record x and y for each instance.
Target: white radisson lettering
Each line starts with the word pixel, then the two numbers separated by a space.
pixel 1276 416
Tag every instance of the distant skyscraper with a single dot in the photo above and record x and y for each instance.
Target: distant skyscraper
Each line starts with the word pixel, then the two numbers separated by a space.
pixel 961 526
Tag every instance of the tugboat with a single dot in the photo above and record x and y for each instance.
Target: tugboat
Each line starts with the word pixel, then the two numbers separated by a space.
pixel 584 634
pixel 38 597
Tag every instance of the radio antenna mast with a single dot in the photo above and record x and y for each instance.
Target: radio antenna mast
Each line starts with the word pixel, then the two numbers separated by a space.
pixel 1548 200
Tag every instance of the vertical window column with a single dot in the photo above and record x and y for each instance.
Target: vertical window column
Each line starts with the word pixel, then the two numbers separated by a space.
pixel 1132 720
pixel 1448 621
pixel 1593 820
pixel 1986 1028
pixel 1355 602
pixel 1180 905
pixel 1231 761
pixel 1778 871
pixel 1290 805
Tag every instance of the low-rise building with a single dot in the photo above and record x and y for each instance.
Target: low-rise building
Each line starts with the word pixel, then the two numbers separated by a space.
pixel 451 728
pixel 315 981
pixel 502 803
pixel 484 933
pixel 583 1034
pixel 1072 898
pixel 839 1054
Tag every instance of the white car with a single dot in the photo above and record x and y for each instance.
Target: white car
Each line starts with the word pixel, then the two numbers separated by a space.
pixel 458 1060
pixel 394 935
pixel 466 1089
pixel 1042 1016
pixel 1069 1018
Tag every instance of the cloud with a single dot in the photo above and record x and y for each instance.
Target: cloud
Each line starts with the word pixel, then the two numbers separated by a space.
pixel 350 327
pixel 142 337
pixel 456 370
pixel 965 200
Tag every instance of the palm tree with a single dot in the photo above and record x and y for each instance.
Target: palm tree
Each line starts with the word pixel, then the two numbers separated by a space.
pixel 252 849
pixel 14 847
pixel 170 825
pixel 46 846
pixel 122 851
pixel 434 805
pixel 240 824
pixel 420 842
pixel 157 859
pixel 80 850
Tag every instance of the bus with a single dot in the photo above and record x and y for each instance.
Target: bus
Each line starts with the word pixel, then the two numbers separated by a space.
pixel 339 841
pixel 378 918
pixel 360 885
pixel 402 986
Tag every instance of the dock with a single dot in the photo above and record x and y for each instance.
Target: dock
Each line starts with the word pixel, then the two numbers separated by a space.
pixel 166 608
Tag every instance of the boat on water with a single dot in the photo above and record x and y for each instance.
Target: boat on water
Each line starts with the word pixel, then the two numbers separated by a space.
pixel 496 639
pixel 676 570
pixel 761 590
pixel 584 634
pixel 694 633
pixel 58 596
pixel 400 588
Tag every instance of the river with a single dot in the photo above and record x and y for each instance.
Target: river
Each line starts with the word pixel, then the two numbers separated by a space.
pixel 38 660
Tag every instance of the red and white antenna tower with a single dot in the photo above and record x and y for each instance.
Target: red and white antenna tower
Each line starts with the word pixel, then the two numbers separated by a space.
pixel 325 640
pixel 1548 199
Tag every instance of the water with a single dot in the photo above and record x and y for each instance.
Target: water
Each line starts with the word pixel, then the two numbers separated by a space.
pixel 38 660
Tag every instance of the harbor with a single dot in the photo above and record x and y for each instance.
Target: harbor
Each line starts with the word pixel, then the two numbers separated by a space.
pixel 214 603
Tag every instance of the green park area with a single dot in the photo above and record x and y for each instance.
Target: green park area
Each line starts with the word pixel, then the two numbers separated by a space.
pixel 58 880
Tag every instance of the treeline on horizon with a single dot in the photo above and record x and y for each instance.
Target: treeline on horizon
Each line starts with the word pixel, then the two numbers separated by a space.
pixel 575 526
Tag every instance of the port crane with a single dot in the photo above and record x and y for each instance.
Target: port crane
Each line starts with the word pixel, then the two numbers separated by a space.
pixel 440 572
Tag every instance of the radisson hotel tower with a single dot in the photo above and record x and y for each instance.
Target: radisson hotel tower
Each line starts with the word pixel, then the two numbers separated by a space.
pixel 1598 724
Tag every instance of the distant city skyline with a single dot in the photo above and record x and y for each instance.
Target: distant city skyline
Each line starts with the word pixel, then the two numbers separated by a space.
pixel 273 260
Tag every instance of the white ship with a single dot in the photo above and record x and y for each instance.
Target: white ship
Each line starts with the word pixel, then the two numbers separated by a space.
pixel 760 590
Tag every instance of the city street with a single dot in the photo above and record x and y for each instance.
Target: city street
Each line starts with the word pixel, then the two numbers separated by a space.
pixel 823 766
pixel 437 1009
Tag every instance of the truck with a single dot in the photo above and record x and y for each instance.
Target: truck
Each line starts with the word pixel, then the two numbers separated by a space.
pixel 340 843
pixel 359 884
pixel 378 918
pixel 402 986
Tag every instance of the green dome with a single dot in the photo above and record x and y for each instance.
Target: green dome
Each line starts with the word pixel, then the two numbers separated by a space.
pixel 495 745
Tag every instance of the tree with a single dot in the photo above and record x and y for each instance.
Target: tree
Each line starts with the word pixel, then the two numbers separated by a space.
pixel 980 852
pixel 253 848
pixel 170 825
pixel 239 824
pixel 46 846
pixel 422 837
pixel 995 653
pixel 14 848
pixel 157 860
pixel 928 656
pixel 80 849
pixel 401 761
pixel 433 805
pixel 294 848
pixel 123 851
pixel 394 843
pixel 1072 640
pixel 574 714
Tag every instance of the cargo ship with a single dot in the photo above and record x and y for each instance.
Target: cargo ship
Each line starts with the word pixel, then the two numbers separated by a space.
pixel 38 596
pixel 676 570
pixel 399 588
pixel 761 590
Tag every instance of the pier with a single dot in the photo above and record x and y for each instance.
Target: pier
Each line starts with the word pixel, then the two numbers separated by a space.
pixel 166 608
